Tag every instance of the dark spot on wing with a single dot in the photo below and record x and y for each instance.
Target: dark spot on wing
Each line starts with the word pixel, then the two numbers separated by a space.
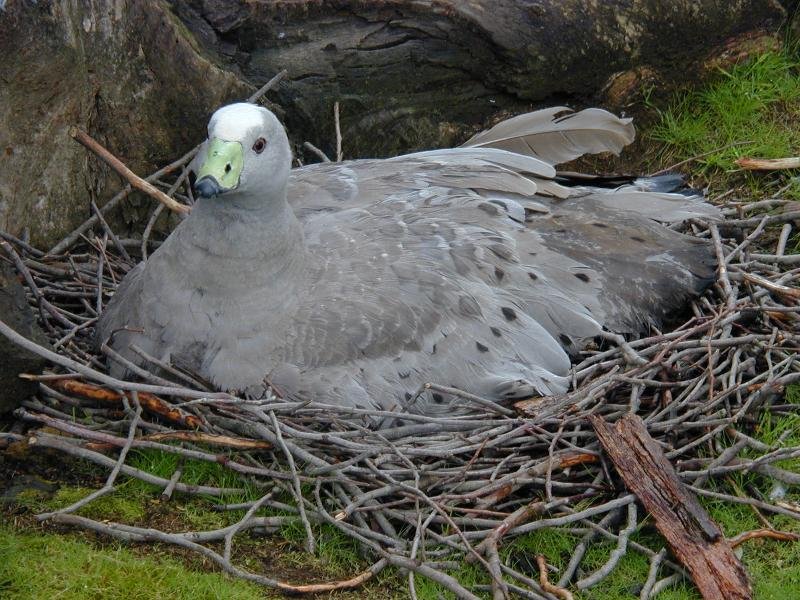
pixel 636 238
pixel 433 350
pixel 499 273
pixel 495 331
pixel 603 225
pixel 533 275
pixel 481 347
pixel 508 313
pixel 582 277
pixel 407 396
pixel 489 209
pixel 438 398
pixel 565 339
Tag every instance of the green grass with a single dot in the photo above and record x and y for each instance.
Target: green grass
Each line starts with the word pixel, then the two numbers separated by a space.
pixel 37 566
pixel 751 110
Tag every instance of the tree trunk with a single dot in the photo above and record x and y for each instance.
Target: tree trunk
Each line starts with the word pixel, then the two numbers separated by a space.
pixel 142 77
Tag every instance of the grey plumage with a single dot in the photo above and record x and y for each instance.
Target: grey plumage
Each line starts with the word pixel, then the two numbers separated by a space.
pixel 353 283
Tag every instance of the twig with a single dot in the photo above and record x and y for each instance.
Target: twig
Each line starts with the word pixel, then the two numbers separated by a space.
pixel 339 154
pixel 275 80
pixel 137 182
pixel 783 536
pixel 767 164
pixel 310 542
pixel 322 156
pixel 544 582
pixel 176 476
pixel 652 574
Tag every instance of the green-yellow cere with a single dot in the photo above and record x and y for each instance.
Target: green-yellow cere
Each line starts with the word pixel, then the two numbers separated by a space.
pixel 224 163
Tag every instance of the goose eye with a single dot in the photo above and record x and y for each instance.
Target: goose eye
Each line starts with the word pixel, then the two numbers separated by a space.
pixel 259 146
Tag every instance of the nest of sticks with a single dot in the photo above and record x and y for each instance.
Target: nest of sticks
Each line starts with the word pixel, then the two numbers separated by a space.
pixel 437 491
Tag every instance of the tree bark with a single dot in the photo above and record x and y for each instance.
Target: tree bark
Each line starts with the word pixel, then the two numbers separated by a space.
pixel 696 540
pixel 416 74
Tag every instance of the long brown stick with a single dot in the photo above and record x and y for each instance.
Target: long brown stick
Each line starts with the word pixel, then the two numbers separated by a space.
pixel 112 161
pixel 768 164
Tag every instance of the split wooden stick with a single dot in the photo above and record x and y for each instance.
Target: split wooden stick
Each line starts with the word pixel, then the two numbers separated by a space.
pixel 112 161
pixel 696 540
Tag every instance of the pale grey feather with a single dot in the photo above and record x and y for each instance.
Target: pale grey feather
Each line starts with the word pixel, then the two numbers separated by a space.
pixel 367 278
pixel 558 135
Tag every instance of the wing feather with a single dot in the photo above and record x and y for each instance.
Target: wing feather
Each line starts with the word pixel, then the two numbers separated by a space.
pixel 555 137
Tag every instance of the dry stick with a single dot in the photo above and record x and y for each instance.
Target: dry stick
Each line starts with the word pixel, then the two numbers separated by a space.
pixel 339 154
pixel 168 368
pixel 176 476
pixel 55 442
pixel 225 441
pixel 616 554
pixel 767 164
pixel 580 549
pixel 150 402
pixel 494 406
pixel 747 241
pixel 238 526
pixel 100 268
pixel 631 355
pixel 133 179
pixel 783 536
pixel 418 534
pixel 22 244
pixel 43 303
pixel 750 501
pixel 110 232
pixel 652 574
pixel 310 543
pixel 149 228
pixel 544 582
pixel 322 156
pixel 663 584
pixel 276 79
pixel 112 477
pixel 158 210
pixel 783 290
pixel 786 231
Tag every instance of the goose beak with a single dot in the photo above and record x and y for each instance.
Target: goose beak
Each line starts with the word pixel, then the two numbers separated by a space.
pixel 221 168
pixel 207 187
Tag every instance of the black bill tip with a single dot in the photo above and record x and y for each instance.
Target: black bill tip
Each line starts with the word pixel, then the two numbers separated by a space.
pixel 206 187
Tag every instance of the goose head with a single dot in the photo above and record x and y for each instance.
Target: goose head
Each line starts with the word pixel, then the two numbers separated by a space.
pixel 246 159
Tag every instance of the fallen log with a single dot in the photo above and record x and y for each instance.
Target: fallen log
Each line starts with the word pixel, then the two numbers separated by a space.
pixel 695 539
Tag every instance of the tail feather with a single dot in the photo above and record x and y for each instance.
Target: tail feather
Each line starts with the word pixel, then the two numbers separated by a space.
pixel 555 137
